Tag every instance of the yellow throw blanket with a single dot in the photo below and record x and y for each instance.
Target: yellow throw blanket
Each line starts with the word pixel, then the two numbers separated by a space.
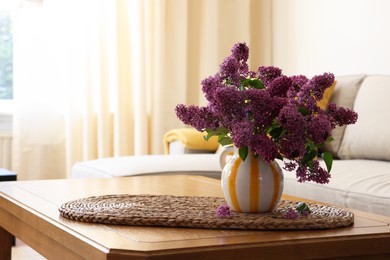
pixel 191 139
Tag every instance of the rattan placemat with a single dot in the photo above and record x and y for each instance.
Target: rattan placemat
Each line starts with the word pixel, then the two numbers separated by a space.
pixel 196 212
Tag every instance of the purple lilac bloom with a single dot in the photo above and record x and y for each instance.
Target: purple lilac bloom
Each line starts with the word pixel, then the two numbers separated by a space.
pixel 279 86
pixel 297 83
pixel 252 74
pixel 209 86
pixel 242 133
pixel 249 113
pixel 267 74
pixel 263 146
pixel 299 80
pixel 313 91
pixel 306 99
pixel 290 119
pixel 341 116
pixel 305 213
pixel 223 211
pixel 319 83
pixel 292 145
pixel 262 107
pixel 289 166
pixel 229 69
pixel 198 117
pixel 319 128
pixel 240 51
pixel 291 214
pixel 317 174
pixel 229 105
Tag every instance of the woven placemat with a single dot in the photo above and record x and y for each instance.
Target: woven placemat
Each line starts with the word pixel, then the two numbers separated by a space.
pixel 196 212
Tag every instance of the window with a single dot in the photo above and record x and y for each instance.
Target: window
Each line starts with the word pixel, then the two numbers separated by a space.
pixel 6 68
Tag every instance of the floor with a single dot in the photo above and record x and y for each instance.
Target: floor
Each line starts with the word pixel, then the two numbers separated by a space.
pixel 23 252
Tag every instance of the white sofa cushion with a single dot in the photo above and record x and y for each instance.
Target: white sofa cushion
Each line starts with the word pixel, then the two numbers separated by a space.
pixel 369 138
pixel 199 164
pixel 357 184
pixel 343 95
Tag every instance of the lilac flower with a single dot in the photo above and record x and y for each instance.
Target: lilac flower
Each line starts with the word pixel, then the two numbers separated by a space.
pixel 198 117
pixel 229 69
pixel 292 146
pixel 252 74
pixel 313 90
pixel 291 214
pixel 270 113
pixel 242 133
pixel 316 174
pixel 341 116
pixel 319 128
pixel 267 74
pixel 262 106
pixel 279 86
pixel 319 83
pixel 299 80
pixel 223 211
pixel 240 51
pixel 306 99
pixel 229 105
pixel 289 166
pixel 262 145
pixel 290 119
pixel 210 85
pixel 319 174
pixel 297 83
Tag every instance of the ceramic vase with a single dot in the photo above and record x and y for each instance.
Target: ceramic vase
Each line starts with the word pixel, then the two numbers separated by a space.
pixel 250 185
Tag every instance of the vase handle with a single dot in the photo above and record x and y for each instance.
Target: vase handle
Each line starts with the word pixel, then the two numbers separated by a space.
pixel 226 151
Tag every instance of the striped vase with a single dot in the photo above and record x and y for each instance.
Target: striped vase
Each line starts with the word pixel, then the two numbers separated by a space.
pixel 251 185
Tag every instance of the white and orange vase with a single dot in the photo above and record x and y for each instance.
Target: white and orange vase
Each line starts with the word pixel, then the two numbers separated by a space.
pixel 251 185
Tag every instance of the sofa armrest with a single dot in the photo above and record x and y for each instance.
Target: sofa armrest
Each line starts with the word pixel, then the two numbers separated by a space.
pixel 125 166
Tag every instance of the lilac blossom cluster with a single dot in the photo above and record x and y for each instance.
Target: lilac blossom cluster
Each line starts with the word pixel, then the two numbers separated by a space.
pixel 302 209
pixel 223 211
pixel 274 115
pixel 291 214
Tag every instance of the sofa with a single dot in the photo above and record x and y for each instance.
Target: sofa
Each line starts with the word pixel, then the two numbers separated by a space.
pixel 360 176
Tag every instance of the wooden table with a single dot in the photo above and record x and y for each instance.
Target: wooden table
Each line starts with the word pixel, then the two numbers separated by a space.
pixel 29 210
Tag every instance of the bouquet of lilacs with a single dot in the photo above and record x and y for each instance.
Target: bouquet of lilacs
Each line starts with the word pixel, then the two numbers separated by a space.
pixel 274 115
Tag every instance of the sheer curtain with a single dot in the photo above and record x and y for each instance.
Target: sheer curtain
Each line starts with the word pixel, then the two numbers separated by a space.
pixel 101 78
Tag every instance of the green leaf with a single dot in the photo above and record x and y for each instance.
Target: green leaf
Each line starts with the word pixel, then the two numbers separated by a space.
pixel 254 83
pixel 222 130
pixel 303 111
pixel 243 152
pixel 302 207
pixel 210 133
pixel 309 156
pixel 245 82
pixel 330 139
pixel 328 158
pixel 225 140
pixel 277 132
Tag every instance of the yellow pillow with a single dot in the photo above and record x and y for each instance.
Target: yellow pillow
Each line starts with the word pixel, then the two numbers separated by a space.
pixel 323 103
pixel 191 139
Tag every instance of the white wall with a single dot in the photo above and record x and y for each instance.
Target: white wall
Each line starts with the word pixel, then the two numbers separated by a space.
pixel 340 36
